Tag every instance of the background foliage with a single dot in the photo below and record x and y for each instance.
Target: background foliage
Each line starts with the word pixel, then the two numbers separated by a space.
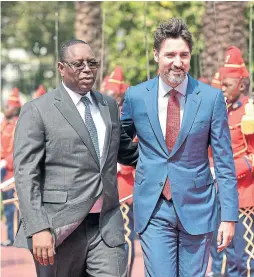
pixel 31 26
pixel 125 33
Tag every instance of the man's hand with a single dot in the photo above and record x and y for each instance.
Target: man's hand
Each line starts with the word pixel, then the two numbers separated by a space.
pixel 225 234
pixel 43 247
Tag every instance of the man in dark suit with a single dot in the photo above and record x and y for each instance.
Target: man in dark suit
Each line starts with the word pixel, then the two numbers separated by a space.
pixel 66 146
pixel 176 118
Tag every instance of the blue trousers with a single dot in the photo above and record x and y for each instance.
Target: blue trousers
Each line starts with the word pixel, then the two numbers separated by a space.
pixel 168 250
pixel 217 259
pixel 8 209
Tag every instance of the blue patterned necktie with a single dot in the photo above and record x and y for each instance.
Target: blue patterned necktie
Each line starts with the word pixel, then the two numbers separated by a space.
pixel 90 125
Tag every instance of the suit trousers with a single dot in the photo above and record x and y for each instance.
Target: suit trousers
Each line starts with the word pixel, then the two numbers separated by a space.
pixel 8 209
pixel 85 254
pixel 217 258
pixel 218 262
pixel 169 251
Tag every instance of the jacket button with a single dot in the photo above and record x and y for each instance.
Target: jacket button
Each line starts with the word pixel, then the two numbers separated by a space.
pixel 161 184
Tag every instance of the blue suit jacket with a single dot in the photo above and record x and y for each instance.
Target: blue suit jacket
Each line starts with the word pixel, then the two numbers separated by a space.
pixel 187 166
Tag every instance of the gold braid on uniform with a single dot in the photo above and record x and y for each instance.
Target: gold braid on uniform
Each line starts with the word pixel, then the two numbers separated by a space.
pixel 125 209
pixel 244 140
pixel 248 214
pixel 11 144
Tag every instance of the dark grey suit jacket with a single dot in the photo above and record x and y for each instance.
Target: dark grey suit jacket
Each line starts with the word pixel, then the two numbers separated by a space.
pixel 58 175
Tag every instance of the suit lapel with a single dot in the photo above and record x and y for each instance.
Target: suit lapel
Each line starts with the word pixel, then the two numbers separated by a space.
pixel 191 107
pixel 65 105
pixel 104 110
pixel 151 102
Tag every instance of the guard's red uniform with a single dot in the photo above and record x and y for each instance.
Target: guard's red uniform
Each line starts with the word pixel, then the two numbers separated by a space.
pixel 7 137
pixel 243 150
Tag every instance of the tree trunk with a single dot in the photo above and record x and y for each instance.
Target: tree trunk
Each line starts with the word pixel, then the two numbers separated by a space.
pixel 223 26
pixel 88 27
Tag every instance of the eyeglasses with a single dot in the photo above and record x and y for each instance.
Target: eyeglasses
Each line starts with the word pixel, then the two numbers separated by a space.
pixel 80 65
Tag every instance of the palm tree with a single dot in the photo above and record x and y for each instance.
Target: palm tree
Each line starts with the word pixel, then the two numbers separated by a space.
pixel 223 25
pixel 88 25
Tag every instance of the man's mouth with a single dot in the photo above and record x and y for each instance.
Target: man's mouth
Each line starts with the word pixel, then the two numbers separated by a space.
pixel 87 78
pixel 177 71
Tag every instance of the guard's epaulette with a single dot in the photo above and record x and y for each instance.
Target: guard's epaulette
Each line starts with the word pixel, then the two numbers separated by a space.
pixel 247 122
pixel 236 105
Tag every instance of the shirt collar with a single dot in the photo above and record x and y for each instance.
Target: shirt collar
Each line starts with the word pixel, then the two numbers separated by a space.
pixel 76 96
pixel 165 88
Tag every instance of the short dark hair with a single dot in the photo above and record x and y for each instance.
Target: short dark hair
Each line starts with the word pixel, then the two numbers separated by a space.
pixel 64 47
pixel 173 28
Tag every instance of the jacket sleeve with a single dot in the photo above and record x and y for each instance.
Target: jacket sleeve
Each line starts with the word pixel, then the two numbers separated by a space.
pixel 223 160
pixel 29 151
pixel 128 149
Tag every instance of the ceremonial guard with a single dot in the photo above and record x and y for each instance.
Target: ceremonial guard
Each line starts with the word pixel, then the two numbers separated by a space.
pixel 216 82
pixel 8 125
pixel 39 92
pixel 235 85
pixel 115 86
pixel 204 80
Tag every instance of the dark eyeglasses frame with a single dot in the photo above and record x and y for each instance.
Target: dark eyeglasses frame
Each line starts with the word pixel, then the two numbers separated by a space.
pixel 84 63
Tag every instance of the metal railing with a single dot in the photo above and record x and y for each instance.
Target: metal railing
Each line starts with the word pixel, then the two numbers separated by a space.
pixel 6 186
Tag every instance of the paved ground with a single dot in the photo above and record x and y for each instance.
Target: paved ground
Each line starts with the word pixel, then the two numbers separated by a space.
pixel 17 262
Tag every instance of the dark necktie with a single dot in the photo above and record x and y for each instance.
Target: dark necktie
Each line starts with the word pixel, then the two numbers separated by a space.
pixel 172 130
pixel 90 125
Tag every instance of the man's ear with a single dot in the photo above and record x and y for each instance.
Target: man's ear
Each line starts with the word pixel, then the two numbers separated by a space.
pixel 60 67
pixel 155 55
pixel 242 87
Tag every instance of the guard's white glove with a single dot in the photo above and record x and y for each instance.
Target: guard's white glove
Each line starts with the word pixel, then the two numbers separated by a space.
pixel 3 163
pixel 118 167
pixel 213 173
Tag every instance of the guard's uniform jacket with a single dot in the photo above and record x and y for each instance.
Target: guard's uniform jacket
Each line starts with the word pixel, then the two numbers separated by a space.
pixel 243 151
pixel 7 137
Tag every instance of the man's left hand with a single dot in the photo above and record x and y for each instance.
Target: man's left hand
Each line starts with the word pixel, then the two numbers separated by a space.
pixel 225 235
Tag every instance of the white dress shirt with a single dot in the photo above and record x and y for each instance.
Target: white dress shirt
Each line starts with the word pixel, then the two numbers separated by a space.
pixel 163 95
pixel 99 124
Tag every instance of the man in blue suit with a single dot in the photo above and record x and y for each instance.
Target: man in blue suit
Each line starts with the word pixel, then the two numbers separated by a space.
pixel 176 119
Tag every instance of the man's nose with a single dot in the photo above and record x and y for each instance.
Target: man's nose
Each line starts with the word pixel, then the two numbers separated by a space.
pixel 86 68
pixel 177 61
